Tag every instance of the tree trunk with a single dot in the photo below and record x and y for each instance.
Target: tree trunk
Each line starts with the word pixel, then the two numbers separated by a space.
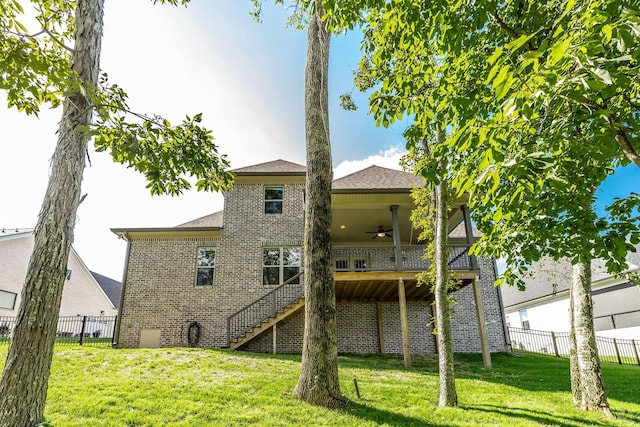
pixel 448 395
pixel 318 383
pixel 23 388
pixel 593 396
pixel 574 368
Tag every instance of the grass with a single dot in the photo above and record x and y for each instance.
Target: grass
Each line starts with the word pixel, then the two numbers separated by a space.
pixel 196 387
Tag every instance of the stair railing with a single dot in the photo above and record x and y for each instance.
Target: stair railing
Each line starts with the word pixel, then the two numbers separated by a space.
pixel 261 309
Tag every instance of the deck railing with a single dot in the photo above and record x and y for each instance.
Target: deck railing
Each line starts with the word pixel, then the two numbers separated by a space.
pixel 261 309
pixel 383 258
pixel 345 259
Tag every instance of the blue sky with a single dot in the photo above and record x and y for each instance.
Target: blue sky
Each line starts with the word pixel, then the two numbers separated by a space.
pixel 248 81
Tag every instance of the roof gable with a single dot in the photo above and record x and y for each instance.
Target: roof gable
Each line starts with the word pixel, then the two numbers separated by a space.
pixel 377 178
pixel 212 220
pixel 112 288
pixel 276 167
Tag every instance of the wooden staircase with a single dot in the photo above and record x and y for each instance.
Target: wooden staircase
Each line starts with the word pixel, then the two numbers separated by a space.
pixel 267 324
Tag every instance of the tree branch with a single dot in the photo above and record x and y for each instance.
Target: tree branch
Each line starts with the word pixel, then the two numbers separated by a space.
pixel 507 29
pixel 623 140
pixel 44 31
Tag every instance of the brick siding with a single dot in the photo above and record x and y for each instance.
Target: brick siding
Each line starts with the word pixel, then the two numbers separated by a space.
pixel 160 291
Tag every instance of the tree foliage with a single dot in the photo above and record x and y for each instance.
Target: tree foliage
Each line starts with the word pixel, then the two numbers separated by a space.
pixel 59 65
pixel 36 71
pixel 541 101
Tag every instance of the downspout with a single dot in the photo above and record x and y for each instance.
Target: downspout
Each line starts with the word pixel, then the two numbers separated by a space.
pixel 507 338
pixel 116 333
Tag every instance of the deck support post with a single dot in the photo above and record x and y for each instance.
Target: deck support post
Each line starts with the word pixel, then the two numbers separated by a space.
pixel 274 331
pixel 482 328
pixel 404 322
pixel 380 327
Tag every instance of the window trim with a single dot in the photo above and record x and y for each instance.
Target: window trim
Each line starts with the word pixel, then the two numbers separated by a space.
pixel 211 267
pixel 15 298
pixel 281 265
pixel 269 201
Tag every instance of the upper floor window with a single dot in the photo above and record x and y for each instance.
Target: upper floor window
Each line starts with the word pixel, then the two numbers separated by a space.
pixel 280 265
pixel 273 196
pixel 8 300
pixel 206 266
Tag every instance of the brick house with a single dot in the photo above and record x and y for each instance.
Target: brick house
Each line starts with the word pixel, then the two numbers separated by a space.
pixel 233 279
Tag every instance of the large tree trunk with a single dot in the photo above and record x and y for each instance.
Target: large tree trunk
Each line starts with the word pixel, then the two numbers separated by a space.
pixel 448 395
pixel 23 388
pixel 318 382
pixel 593 396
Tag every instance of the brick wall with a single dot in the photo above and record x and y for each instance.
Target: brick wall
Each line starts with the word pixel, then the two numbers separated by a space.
pixel 160 291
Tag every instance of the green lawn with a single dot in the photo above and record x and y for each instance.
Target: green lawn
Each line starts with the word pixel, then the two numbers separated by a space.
pixel 195 387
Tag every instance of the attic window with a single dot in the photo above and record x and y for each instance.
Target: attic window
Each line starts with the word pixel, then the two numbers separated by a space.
pixel 8 300
pixel 273 196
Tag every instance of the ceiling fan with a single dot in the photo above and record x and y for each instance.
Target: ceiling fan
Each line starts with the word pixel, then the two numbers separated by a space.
pixel 382 232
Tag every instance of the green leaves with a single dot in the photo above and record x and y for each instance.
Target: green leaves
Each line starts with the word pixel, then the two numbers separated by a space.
pixel 533 97
pixel 166 155
pixel 35 69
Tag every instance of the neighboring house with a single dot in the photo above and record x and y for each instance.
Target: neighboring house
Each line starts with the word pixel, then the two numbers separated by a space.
pixel 82 294
pixel 544 304
pixel 217 281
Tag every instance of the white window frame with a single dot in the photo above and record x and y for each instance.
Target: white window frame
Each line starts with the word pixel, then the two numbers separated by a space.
pixel 281 266
pixel 269 201
pixel 8 299
pixel 203 265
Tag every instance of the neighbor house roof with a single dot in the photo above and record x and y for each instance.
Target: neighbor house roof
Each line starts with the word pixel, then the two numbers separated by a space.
pixel 276 167
pixel 111 287
pixel 212 220
pixel 377 178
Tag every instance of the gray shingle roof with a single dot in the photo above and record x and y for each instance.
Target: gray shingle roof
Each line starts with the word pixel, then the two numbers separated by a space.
pixel 111 287
pixel 377 178
pixel 212 220
pixel 460 232
pixel 276 167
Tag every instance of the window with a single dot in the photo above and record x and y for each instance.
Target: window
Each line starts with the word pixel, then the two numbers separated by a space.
pixel 206 266
pixel 524 320
pixel 7 300
pixel 273 196
pixel 280 265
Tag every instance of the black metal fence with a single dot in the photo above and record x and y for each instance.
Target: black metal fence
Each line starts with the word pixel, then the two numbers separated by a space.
pixel 612 350
pixel 72 330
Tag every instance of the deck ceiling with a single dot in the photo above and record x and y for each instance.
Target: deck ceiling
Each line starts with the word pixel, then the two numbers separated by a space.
pixel 384 288
pixel 356 216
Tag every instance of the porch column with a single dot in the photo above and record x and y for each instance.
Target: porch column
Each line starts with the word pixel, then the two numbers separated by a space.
pixel 469 232
pixel 397 245
pixel 482 328
pixel 404 322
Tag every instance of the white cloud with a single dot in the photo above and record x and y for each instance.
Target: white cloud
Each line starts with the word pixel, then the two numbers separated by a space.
pixel 389 158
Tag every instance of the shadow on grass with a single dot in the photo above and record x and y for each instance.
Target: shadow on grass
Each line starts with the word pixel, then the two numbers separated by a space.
pixel 531 372
pixel 379 416
pixel 540 417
